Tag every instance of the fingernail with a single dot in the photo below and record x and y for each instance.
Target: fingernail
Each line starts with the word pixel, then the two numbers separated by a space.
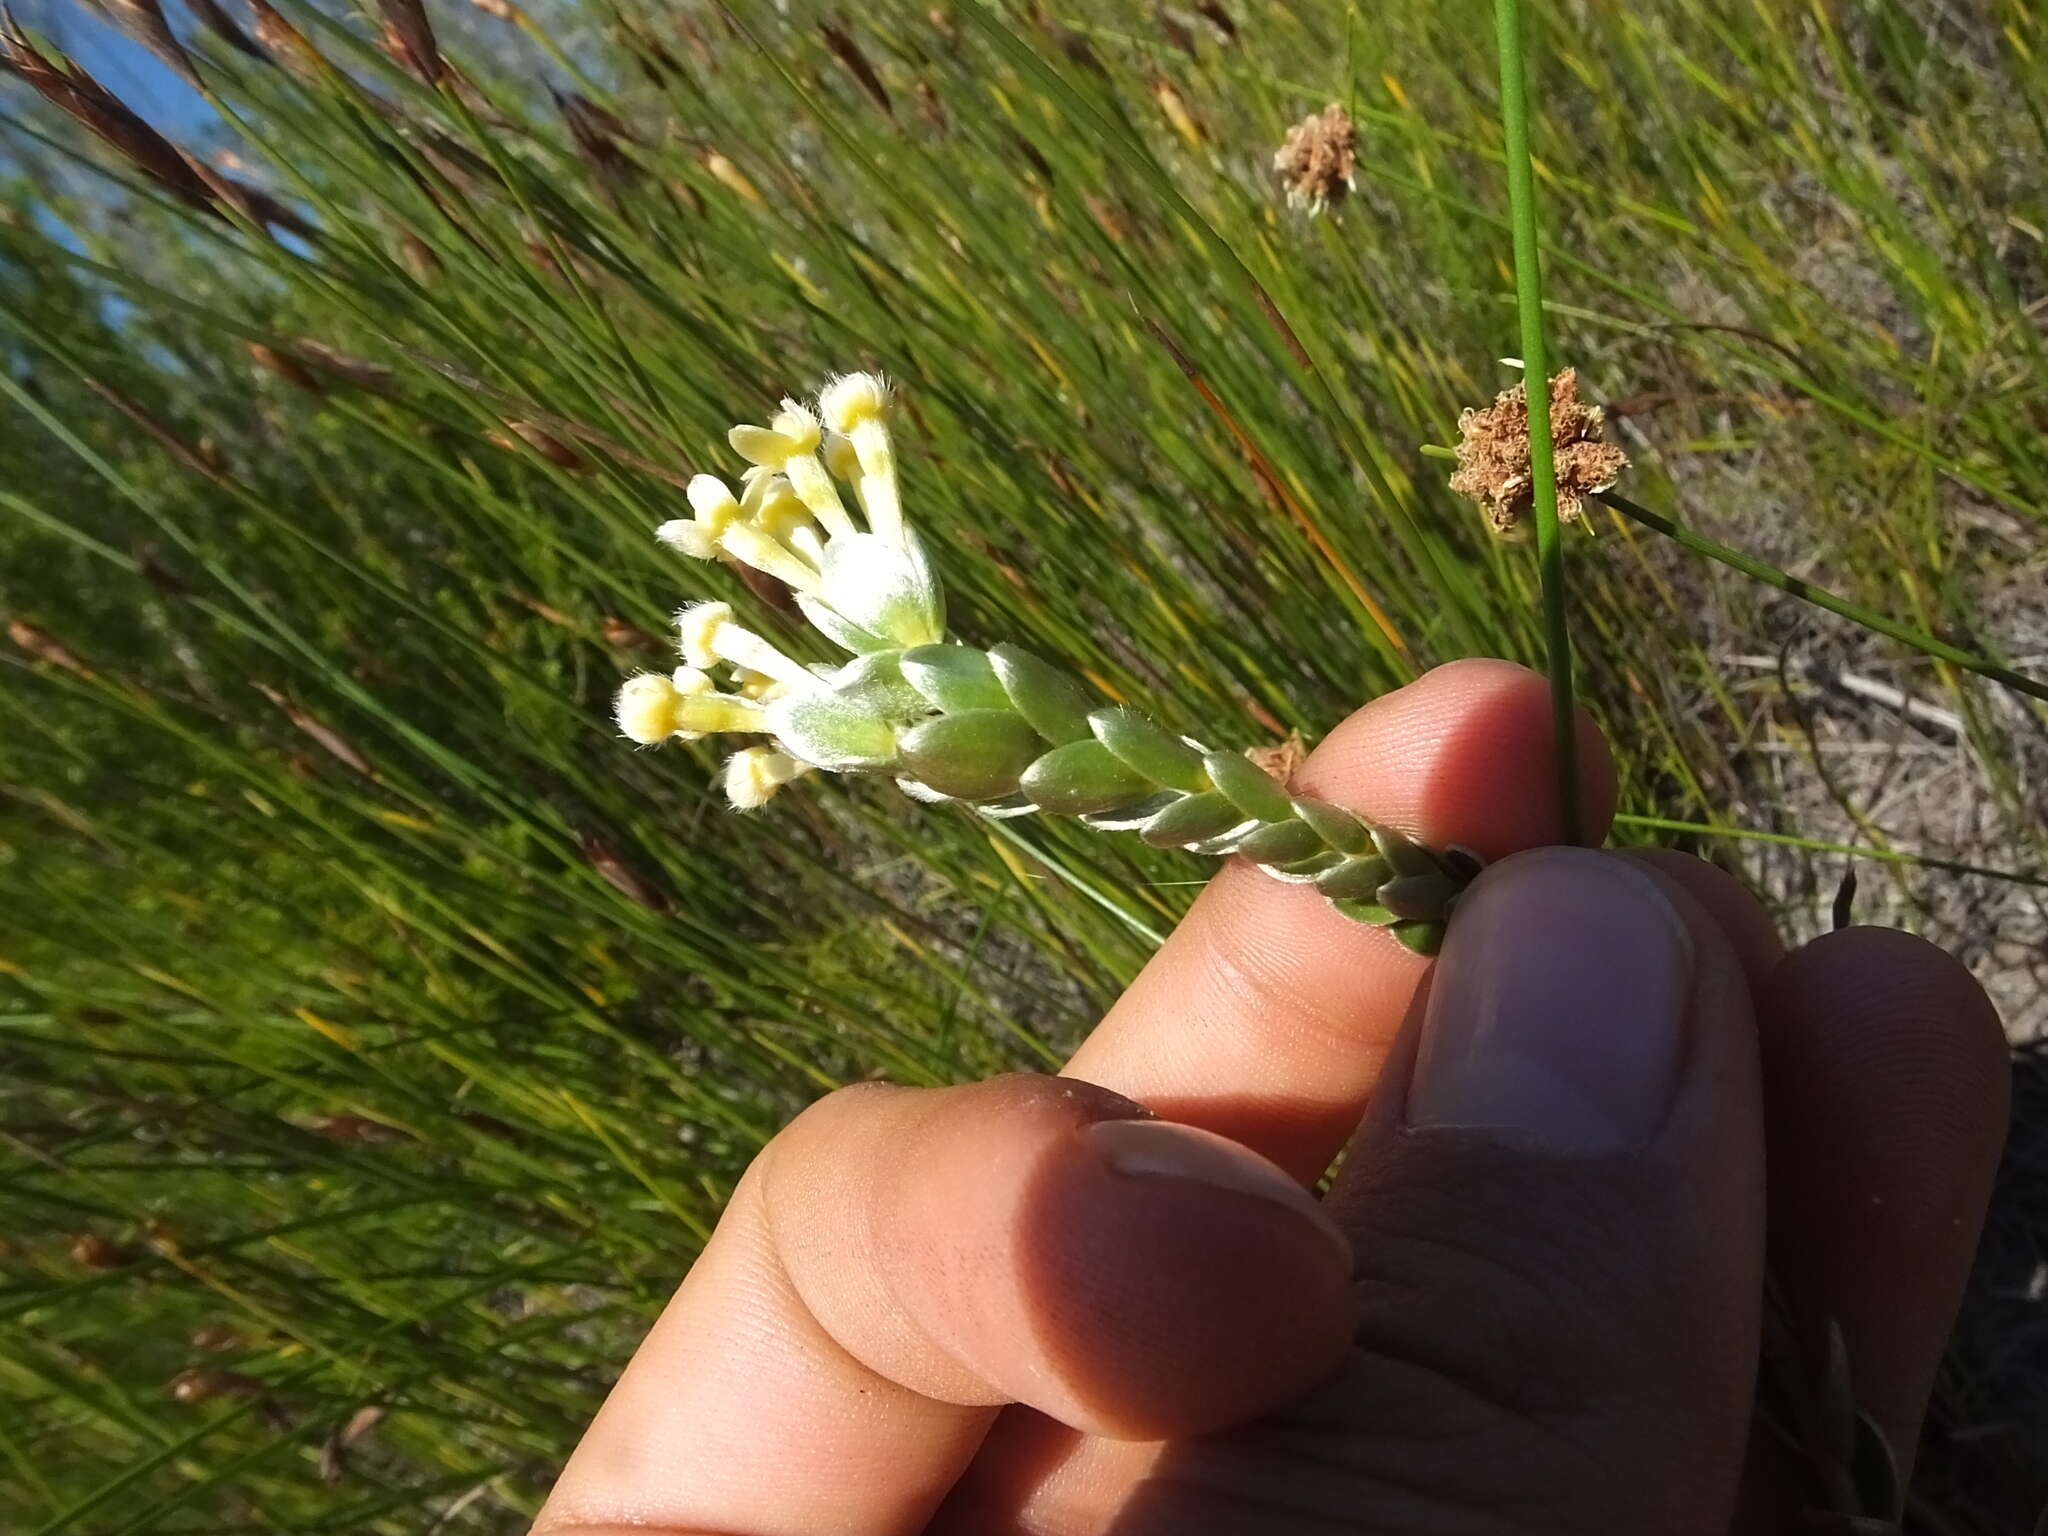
pixel 1557 1013
pixel 1159 1149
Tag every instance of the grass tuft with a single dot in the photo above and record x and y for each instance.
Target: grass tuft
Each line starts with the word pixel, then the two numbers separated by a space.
pixel 378 1030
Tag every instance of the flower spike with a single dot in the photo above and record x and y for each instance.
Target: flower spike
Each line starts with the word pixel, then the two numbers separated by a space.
pixel 1002 731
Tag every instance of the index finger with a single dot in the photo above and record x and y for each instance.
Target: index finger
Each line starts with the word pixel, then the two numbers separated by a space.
pixel 1267 1014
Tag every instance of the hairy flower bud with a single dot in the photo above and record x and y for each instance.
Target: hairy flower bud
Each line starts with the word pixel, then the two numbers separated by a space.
pixel 687 536
pixel 796 423
pixel 646 708
pixel 754 774
pixel 853 398
pixel 698 626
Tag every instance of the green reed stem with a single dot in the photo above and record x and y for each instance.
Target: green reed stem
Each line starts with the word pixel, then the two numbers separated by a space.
pixel 1820 597
pixel 1817 845
pixel 1557 640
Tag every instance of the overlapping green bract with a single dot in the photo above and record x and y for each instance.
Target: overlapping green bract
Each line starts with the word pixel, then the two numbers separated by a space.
pixel 1009 734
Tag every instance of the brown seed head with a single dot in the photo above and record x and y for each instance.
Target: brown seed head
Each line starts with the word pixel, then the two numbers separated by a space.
pixel 1318 164
pixel 354 1130
pixel 144 21
pixel 151 566
pixel 217 1338
pixel 334 1454
pixel 285 43
pixel 621 875
pixel 1173 29
pixel 284 365
pixel 598 135
pixel 848 52
pixel 336 745
pixel 202 457
pixel 200 1385
pixel 68 88
pixel 409 39
pixel 931 108
pixel 1212 11
pixel 358 371
pixel 214 17
pixel 44 646
pixel 418 257
pixel 91 1251
pixel 1282 759
pixel 1493 454
pixel 631 637
pixel 544 443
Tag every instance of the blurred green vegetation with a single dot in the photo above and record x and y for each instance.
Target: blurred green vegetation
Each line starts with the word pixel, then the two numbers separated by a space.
pixel 377 1032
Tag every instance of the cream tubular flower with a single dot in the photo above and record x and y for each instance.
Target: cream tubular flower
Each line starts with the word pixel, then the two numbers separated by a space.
pixel 778 511
pixel 746 542
pixel 795 454
pixel 696 626
pixel 713 502
pixel 856 406
pixel 688 683
pixel 686 536
pixel 710 636
pixel 645 708
pixel 707 714
pixel 754 774
pixel 717 510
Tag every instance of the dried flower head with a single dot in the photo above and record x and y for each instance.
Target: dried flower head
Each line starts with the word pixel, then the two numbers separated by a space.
pixel 1281 760
pixel 1493 454
pixel 1318 165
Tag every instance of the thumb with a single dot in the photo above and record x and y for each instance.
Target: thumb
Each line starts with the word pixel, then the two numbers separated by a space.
pixel 1557 1205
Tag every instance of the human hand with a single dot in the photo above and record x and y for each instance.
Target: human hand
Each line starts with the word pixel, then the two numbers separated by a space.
pixel 1529 1302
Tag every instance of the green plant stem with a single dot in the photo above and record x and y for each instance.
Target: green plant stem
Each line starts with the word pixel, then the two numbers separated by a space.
pixel 1820 597
pixel 1557 640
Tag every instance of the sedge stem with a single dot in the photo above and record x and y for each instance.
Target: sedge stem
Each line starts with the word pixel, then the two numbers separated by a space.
pixel 1557 640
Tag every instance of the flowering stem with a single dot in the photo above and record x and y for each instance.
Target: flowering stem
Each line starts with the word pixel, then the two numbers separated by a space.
pixel 1557 642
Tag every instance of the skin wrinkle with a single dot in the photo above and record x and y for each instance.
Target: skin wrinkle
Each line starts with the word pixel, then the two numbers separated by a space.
pixel 1366 1449
pixel 902 1322
pixel 1488 1342
pixel 1389 1469
pixel 905 1323
pixel 1268 990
